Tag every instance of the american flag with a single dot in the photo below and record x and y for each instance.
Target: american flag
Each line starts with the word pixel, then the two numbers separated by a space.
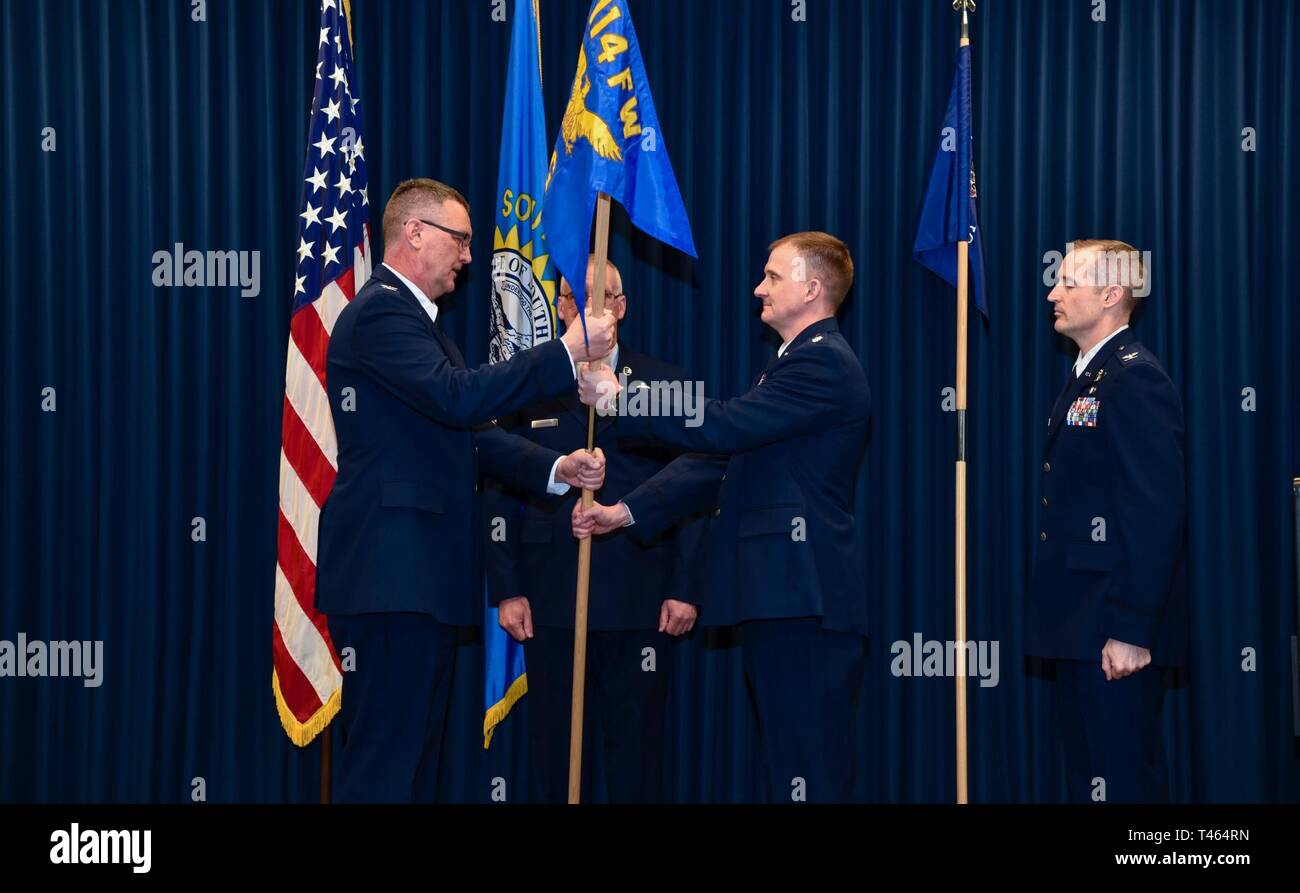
pixel 333 261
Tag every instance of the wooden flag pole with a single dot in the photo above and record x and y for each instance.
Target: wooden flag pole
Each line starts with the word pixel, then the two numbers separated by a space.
pixel 326 753
pixel 963 250
pixel 959 565
pixel 597 299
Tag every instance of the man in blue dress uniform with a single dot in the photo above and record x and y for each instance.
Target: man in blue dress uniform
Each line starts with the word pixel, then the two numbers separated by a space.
pixel 1108 599
pixel 641 595
pixel 784 549
pixel 399 567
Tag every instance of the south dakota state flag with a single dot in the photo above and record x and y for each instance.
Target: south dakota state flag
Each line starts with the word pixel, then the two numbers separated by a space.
pixel 523 294
pixel 610 142
pixel 948 215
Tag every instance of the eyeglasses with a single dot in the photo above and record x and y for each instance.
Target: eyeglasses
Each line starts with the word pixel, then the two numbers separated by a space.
pixel 462 239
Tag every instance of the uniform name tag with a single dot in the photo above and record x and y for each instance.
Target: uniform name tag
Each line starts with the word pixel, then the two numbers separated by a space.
pixel 545 423
pixel 1083 412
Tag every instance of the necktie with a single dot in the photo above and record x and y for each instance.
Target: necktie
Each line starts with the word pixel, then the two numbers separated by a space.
pixel 449 347
pixel 766 369
pixel 1068 391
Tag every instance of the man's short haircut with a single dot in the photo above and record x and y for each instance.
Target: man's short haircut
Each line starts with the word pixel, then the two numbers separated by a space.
pixel 826 258
pixel 407 200
pixel 1116 263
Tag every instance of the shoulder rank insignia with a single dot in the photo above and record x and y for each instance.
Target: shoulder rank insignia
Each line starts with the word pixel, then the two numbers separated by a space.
pixel 387 286
pixel 544 423
pixel 1083 413
pixel 1130 356
pixel 816 338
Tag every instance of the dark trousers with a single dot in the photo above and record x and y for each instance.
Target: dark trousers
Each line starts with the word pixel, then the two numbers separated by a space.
pixel 1111 731
pixel 805 682
pixel 625 698
pixel 394 709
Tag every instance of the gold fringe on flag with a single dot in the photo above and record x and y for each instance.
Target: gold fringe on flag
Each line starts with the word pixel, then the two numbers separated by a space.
pixel 303 733
pixel 497 712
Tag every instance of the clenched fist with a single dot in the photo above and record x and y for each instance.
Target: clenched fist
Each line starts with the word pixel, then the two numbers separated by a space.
pixel 582 469
pixel 600 337
pixel 597 386
pixel 598 519
pixel 1120 659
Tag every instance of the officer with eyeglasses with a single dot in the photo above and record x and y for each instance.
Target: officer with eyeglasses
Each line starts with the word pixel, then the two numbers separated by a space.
pixel 398 566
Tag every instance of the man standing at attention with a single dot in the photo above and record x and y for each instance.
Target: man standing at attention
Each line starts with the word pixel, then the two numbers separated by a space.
pixel 640 597
pixel 1107 603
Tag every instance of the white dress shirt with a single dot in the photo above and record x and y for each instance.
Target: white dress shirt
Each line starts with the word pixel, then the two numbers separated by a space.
pixel 428 306
pixel 554 487
pixel 1081 364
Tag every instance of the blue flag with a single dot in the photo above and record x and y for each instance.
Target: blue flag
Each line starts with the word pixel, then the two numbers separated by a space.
pixel 948 215
pixel 610 142
pixel 523 295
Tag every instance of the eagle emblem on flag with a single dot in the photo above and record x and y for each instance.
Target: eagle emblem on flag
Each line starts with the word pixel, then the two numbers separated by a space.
pixel 581 122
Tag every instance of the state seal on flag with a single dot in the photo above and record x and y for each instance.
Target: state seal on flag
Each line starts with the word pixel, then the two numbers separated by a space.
pixel 522 309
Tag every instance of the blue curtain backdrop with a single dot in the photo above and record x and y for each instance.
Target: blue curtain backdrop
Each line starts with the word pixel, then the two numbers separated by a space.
pixel 168 400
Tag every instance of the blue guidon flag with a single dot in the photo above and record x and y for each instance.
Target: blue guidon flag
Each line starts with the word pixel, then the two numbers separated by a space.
pixel 523 278
pixel 610 142
pixel 948 215
pixel 523 294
